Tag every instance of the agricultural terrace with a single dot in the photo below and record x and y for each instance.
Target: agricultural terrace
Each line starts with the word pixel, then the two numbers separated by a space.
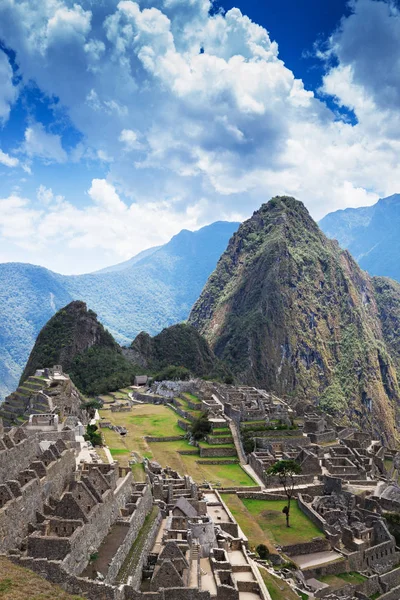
pixel 263 522
pixel 161 421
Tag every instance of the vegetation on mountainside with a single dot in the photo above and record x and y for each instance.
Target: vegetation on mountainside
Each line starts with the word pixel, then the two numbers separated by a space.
pixel 100 370
pixel 74 339
pixel 177 352
pixel 289 311
pixel 172 373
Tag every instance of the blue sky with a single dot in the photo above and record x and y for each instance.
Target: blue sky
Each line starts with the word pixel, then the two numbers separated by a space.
pixel 122 122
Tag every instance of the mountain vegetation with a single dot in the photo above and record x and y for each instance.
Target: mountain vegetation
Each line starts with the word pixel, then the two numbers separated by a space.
pixel 179 346
pixel 371 234
pixel 76 340
pixel 289 311
pixel 151 291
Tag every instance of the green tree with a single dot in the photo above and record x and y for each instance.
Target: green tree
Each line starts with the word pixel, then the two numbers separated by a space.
pixel 92 435
pixel 262 551
pixel 286 470
pixel 201 427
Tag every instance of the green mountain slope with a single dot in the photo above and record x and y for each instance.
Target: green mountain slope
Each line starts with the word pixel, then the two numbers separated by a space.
pixel 153 291
pixel 179 345
pixel 74 339
pixel 371 234
pixel 288 310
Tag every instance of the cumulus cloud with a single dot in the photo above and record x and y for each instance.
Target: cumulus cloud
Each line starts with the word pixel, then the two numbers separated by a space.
pixel 39 143
pixel 8 92
pixel 7 160
pixel 195 117
pixel 107 226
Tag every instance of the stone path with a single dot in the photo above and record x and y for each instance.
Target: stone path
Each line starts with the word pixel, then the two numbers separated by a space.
pixel 108 454
pixel 242 458
pixel 316 558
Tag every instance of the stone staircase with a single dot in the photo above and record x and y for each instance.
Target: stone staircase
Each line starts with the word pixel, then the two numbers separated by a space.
pixel 29 398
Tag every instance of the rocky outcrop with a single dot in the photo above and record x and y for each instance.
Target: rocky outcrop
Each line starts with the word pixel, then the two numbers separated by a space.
pixel 291 312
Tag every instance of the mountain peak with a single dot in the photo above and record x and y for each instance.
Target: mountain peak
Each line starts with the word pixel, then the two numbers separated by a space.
pixel 289 311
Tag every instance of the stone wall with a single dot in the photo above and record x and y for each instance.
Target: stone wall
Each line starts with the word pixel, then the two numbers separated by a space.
pixel 317 545
pixel 393 594
pixel 102 517
pixel 143 508
pixel 311 514
pixel 16 514
pixel 171 438
pixel 216 452
pixel 135 579
pixel 17 458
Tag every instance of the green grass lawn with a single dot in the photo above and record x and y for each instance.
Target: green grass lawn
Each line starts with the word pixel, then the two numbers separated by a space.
pixel 138 472
pixel 151 420
pixel 118 451
pixel 342 579
pixel 265 517
pixel 192 398
pixel 278 588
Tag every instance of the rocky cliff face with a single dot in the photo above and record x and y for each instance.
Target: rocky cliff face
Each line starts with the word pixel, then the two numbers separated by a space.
pixel 290 311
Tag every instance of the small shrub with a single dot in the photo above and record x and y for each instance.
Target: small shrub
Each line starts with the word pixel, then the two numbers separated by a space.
pixel 201 427
pixel 262 551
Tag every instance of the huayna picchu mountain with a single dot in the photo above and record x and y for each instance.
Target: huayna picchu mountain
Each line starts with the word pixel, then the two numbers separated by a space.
pixel 289 311
pixel 76 340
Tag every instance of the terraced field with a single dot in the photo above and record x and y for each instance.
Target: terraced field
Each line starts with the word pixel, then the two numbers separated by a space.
pixel 162 421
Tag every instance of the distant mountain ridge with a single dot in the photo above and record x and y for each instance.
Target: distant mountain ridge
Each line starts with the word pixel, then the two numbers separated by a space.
pixel 291 312
pixel 148 294
pixel 371 234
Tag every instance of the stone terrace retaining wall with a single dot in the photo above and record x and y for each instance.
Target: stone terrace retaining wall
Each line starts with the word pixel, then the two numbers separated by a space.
pixel 171 438
pixel 257 495
pixel 226 461
pixel 143 508
pixel 135 579
pixel 317 545
pixel 311 514
pixel 216 452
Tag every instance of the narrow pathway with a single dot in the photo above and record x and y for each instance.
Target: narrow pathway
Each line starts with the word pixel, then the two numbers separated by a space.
pixel 242 457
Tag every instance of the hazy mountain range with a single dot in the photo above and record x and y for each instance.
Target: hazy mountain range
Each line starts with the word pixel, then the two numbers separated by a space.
pixel 371 234
pixel 155 289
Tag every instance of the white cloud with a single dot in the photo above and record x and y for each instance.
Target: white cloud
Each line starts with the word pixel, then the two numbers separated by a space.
pixel 130 139
pixel 7 160
pixel 39 143
pixel 197 111
pixel 8 92
pixel 107 226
